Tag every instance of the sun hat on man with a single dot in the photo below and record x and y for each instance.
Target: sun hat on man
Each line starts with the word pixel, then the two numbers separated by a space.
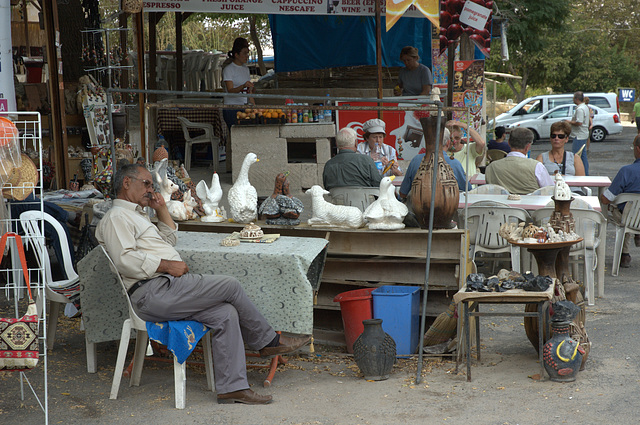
pixel 374 126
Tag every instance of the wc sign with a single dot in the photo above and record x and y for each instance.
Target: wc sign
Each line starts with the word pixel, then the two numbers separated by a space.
pixel 627 95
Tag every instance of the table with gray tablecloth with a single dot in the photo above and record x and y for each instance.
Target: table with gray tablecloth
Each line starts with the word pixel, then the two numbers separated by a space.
pixel 279 277
pixel 274 275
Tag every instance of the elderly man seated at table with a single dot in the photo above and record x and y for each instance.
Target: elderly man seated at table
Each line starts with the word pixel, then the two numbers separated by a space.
pixel 161 287
pixel 626 181
pixel 348 167
pixel 460 150
pixel 412 169
pixel 517 173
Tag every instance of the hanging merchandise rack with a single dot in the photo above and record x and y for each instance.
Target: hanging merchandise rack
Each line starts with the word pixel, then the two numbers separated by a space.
pixel 29 134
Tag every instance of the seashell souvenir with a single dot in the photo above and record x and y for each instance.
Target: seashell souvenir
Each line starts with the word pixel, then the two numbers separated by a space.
pixel 506 229
pixel 229 242
pixel 251 231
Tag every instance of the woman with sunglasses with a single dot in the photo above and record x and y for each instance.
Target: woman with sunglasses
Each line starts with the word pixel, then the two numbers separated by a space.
pixel 557 160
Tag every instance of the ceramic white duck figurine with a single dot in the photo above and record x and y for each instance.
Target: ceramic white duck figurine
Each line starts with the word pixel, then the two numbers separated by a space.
pixel 386 212
pixel 243 198
pixel 210 197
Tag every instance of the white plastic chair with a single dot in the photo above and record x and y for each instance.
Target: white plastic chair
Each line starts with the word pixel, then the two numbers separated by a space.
pixel 355 196
pixel 484 222
pixel 491 189
pixel 140 326
pixel 207 137
pixel 591 225
pixel 577 203
pixel 544 191
pixel 630 224
pixel 31 224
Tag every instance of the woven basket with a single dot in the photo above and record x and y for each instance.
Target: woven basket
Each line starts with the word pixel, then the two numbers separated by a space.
pixel 132 6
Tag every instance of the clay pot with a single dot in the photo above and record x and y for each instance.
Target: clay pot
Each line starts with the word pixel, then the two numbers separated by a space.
pixel 562 355
pixel 374 351
pixel 446 188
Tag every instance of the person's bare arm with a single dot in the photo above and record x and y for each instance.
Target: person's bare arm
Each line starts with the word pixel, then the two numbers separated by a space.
pixel 578 165
pixel 158 204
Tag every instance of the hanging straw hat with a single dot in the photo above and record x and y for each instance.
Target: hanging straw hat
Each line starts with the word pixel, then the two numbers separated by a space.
pixel 8 135
pixel 21 180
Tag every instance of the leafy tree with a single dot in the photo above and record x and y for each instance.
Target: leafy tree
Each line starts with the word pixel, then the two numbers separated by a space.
pixel 529 23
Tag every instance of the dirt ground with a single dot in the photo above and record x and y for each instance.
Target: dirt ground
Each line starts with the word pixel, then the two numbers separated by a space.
pixel 326 387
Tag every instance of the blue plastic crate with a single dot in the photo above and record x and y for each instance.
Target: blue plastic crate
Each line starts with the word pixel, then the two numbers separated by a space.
pixel 399 309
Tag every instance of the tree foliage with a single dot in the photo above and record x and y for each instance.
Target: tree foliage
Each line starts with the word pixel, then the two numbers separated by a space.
pixel 584 45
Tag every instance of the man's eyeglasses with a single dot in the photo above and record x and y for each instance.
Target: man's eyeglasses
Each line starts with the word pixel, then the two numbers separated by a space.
pixel 558 136
pixel 147 183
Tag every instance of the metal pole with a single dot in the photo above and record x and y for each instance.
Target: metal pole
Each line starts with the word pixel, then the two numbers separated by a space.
pixel 429 241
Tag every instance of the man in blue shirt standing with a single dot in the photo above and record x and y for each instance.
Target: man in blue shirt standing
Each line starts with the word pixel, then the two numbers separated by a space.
pixel 626 181
pixel 458 171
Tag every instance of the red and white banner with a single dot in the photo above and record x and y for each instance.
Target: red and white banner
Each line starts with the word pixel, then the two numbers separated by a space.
pixel 290 7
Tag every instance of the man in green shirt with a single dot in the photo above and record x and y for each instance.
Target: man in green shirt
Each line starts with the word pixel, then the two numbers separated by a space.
pixel 635 116
pixel 348 167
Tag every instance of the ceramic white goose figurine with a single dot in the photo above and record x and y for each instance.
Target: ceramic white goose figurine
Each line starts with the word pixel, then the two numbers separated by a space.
pixel 386 212
pixel 210 197
pixel 243 198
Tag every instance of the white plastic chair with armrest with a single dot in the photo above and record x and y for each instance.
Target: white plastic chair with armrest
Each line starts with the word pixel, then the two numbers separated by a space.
pixel 355 196
pixel 140 326
pixel 491 189
pixel 630 224
pixel 591 226
pixel 544 191
pixel 207 137
pixel 484 222
pixel 30 222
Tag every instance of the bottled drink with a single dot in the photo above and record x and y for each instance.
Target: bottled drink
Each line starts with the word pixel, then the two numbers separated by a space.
pixel 377 155
pixel 327 113
pixel 321 114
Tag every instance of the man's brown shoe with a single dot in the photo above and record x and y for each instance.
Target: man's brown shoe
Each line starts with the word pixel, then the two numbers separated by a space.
pixel 625 261
pixel 244 396
pixel 287 344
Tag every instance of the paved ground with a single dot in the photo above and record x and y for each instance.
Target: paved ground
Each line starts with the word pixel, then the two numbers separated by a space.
pixel 327 388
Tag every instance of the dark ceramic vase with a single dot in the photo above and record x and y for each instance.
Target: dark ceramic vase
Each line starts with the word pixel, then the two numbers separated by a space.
pixel 374 351
pixel 562 355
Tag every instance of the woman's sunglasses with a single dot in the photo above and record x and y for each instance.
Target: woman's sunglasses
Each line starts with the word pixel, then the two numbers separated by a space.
pixel 558 136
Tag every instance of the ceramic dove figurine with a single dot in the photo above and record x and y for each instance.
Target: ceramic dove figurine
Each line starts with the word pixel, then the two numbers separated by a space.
pixel 210 197
pixel 386 212
pixel 243 198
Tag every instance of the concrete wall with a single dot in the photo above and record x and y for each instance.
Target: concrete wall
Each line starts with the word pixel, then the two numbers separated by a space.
pixel 271 144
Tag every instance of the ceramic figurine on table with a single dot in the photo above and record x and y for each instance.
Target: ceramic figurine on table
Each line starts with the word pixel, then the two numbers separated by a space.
pixel 281 208
pixel 210 197
pixel 189 203
pixel 562 192
pixel 328 214
pixel 166 187
pixel 386 212
pixel 243 198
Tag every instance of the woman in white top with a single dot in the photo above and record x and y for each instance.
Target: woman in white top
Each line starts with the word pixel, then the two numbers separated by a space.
pixel 236 78
pixel 383 155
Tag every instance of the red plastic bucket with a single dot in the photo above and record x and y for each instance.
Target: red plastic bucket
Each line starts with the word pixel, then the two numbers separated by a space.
pixel 355 306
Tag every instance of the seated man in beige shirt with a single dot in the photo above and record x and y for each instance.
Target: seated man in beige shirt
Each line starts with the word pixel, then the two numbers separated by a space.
pixel 515 172
pixel 161 288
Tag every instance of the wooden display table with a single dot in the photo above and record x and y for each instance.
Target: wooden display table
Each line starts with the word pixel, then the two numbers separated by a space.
pixel 371 258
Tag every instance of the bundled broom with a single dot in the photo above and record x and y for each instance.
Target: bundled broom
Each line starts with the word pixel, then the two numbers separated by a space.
pixel 443 328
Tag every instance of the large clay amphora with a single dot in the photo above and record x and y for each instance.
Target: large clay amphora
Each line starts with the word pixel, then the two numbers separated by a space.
pixel 447 193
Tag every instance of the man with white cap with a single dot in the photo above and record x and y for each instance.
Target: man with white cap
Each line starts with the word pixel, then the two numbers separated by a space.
pixel 383 155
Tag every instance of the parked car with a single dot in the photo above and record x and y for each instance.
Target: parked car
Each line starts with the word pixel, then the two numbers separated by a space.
pixel 604 123
pixel 535 106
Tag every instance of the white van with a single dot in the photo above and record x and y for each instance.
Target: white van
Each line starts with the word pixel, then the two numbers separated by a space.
pixel 535 106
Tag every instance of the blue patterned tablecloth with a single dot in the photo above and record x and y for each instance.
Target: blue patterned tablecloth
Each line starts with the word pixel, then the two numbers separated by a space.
pixel 274 275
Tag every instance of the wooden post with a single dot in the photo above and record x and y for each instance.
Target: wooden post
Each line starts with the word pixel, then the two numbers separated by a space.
pixel 379 51
pixel 58 129
pixel 139 25
pixel 153 77
pixel 179 79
